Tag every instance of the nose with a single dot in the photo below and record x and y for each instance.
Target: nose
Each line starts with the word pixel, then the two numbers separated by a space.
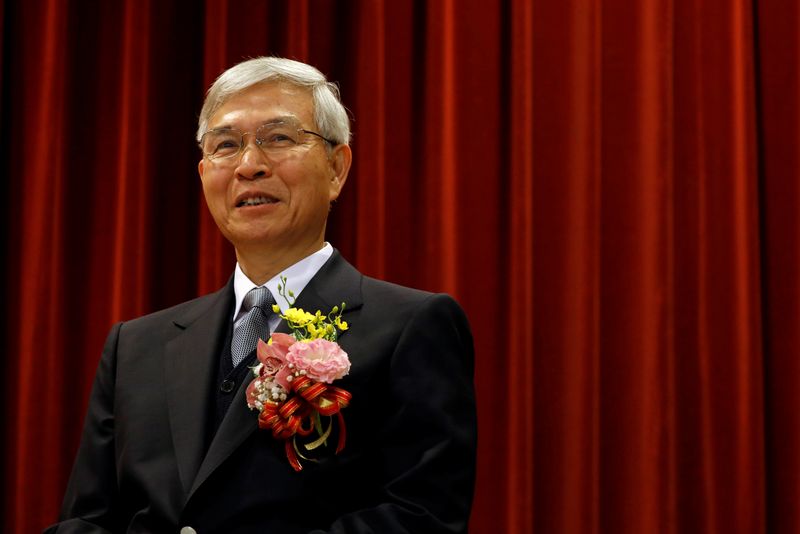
pixel 253 163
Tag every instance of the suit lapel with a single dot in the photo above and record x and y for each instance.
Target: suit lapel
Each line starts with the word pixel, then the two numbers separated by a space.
pixel 191 362
pixel 238 423
pixel 336 282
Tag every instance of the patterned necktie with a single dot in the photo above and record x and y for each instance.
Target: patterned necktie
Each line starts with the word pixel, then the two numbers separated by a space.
pixel 253 326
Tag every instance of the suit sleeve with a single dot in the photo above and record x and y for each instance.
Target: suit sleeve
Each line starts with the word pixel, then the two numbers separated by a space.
pixel 430 432
pixel 91 495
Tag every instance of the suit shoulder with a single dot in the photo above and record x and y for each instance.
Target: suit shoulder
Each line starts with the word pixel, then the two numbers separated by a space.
pixel 374 288
pixel 396 299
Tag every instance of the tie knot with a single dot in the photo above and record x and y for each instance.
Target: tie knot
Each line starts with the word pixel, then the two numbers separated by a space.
pixel 258 297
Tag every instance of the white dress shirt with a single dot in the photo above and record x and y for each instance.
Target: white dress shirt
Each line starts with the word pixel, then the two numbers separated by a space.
pixel 297 277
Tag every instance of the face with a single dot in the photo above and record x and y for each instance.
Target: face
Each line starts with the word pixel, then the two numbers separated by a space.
pixel 274 204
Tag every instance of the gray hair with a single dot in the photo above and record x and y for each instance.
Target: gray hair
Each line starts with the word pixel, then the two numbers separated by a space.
pixel 329 112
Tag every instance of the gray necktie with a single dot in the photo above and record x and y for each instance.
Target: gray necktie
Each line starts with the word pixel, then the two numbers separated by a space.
pixel 257 305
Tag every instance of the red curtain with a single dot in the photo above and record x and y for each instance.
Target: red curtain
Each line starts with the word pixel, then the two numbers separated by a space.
pixel 610 188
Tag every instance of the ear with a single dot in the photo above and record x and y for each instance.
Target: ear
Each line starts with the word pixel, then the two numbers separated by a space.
pixel 340 161
pixel 200 167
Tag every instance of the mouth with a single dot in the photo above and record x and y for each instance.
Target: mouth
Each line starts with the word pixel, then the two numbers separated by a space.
pixel 256 201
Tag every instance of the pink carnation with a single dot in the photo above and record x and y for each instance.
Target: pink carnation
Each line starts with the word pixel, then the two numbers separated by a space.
pixel 273 358
pixel 322 360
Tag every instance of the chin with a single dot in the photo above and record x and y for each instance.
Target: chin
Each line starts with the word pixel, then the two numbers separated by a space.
pixel 249 239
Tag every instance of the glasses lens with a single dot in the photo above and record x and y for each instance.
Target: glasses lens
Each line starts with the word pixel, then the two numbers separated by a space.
pixel 221 143
pixel 277 136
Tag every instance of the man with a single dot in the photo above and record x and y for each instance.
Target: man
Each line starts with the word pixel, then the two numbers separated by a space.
pixel 169 443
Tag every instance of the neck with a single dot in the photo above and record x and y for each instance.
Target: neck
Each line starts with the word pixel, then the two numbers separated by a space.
pixel 261 265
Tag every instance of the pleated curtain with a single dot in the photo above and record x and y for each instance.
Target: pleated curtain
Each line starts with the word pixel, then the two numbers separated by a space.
pixel 610 188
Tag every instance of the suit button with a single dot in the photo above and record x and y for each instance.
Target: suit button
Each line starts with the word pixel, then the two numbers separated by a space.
pixel 188 530
pixel 226 387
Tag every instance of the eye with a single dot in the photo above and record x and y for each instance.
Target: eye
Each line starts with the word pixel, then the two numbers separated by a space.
pixel 222 143
pixel 226 147
pixel 227 143
pixel 278 136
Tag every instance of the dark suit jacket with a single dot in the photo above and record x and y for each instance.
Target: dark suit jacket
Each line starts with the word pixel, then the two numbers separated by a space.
pixel 409 461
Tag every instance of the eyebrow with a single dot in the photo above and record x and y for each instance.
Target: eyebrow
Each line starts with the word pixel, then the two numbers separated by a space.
pixel 273 120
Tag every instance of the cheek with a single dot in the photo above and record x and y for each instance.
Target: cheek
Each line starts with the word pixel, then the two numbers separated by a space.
pixel 312 200
pixel 215 201
pixel 315 186
pixel 214 188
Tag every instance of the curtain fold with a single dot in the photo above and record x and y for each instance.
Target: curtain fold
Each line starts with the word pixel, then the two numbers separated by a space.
pixel 635 323
pixel 610 189
pixel 517 127
pixel 778 118
pixel 41 252
pixel 374 193
pixel 566 179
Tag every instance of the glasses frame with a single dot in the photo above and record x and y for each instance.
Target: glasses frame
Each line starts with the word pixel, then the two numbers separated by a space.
pixel 259 142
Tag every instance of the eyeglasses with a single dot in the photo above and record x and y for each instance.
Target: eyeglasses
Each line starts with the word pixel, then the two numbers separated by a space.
pixel 277 139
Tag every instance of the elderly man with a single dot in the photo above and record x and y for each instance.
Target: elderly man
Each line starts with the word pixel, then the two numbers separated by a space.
pixel 195 426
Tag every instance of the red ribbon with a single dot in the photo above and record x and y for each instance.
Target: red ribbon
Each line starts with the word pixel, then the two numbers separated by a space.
pixel 295 416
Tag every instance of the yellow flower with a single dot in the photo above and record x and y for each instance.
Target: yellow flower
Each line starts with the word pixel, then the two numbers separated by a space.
pixel 341 325
pixel 298 316
pixel 312 331
pixel 276 308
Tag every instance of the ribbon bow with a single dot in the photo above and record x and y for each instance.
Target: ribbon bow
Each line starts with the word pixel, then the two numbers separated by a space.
pixel 299 416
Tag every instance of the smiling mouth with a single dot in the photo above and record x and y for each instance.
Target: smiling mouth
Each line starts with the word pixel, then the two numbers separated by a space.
pixel 256 201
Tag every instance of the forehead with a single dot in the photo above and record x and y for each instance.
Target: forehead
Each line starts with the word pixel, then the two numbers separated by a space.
pixel 262 102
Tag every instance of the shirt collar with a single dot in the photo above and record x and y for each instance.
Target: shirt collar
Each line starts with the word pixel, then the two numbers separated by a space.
pixel 297 278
